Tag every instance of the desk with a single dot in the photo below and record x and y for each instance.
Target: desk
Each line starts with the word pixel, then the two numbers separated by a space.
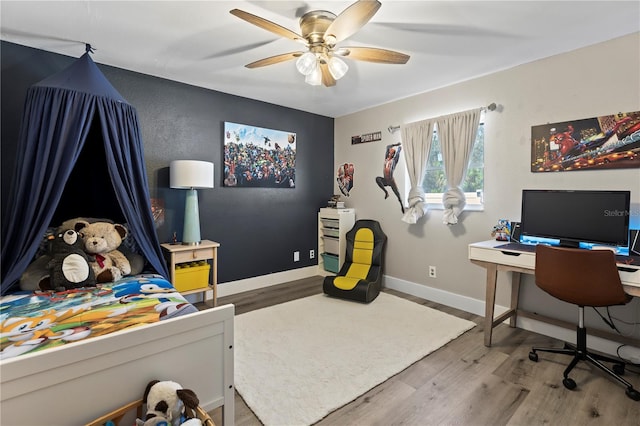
pixel 494 260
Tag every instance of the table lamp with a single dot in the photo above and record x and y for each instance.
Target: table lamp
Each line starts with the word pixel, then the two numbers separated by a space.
pixel 191 175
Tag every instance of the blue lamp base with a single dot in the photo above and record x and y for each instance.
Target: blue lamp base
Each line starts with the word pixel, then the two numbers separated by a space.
pixel 191 231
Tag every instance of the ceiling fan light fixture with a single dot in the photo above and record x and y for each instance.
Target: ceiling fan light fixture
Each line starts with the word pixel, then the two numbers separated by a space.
pixel 320 31
pixel 314 78
pixel 330 39
pixel 306 63
pixel 337 67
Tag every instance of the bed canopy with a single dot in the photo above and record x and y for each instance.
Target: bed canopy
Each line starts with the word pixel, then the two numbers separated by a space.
pixel 67 115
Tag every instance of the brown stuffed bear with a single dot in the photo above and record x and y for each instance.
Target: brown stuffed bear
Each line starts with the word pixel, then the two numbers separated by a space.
pixel 101 241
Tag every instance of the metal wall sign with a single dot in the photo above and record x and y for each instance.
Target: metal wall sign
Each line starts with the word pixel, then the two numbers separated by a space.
pixel 366 137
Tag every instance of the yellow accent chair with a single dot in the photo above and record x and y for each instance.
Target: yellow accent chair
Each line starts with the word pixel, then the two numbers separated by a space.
pixel 360 277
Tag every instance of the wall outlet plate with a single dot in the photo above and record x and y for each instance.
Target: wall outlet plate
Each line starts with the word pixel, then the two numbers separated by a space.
pixel 432 272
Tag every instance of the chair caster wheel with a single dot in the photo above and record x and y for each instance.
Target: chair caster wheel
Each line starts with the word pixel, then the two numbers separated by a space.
pixel 533 356
pixel 569 383
pixel 618 369
pixel 633 394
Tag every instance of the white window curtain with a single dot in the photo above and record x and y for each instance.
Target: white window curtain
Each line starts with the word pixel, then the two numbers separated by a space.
pixel 457 134
pixel 416 141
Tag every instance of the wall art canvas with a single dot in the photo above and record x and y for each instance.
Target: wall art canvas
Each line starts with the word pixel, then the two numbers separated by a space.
pixel 258 157
pixel 157 210
pixel 605 142
pixel 345 178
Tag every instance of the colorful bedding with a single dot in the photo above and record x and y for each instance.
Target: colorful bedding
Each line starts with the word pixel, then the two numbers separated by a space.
pixel 31 322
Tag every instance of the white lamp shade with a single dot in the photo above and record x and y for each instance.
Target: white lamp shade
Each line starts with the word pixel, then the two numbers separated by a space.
pixel 186 174
pixel 314 78
pixel 306 63
pixel 337 67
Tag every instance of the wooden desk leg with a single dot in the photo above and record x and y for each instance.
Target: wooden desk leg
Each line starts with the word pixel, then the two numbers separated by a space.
pixel 490 302
pixel 515 292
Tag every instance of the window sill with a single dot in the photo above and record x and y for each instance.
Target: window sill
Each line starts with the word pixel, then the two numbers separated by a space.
pixel 467 208
pixel 473 202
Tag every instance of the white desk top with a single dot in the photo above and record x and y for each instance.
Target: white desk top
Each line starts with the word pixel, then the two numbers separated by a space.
pixel 486 251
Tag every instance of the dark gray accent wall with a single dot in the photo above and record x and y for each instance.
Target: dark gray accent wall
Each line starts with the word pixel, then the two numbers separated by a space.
pixel 258 228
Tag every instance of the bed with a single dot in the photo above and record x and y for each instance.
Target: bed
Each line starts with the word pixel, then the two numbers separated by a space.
pixel 90 361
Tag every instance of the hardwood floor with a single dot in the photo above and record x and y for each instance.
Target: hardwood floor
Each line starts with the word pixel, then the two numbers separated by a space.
pixel 466 383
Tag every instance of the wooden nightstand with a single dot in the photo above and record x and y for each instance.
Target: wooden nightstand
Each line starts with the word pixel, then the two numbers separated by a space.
pixel 207 251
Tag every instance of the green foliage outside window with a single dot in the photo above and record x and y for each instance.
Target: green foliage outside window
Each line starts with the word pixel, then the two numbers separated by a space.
pixel 434 178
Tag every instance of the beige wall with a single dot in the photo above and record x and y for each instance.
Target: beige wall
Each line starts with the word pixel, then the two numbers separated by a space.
pixel 597 80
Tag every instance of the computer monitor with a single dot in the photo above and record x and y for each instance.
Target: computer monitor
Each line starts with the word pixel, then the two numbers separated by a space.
pixel 574 217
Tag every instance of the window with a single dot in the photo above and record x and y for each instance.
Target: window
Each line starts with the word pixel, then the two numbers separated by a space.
pixel 435 183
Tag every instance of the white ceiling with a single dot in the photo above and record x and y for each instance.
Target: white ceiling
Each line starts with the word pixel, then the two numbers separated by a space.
pixel 202 44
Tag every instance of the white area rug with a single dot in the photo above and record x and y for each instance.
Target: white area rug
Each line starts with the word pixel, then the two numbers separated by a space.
pixel 298 361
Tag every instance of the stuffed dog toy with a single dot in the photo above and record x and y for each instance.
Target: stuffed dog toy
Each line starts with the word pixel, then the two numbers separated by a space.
pixel 166 400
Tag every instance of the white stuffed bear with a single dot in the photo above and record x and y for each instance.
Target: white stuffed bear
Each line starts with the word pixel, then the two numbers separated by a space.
pixel 101 242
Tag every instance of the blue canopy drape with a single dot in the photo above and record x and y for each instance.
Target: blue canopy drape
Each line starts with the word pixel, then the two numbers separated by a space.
pixel 58 116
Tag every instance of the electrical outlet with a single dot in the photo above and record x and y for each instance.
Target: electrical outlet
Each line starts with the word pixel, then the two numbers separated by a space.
pixel 312 254
pixel 296 256
pixel 432 272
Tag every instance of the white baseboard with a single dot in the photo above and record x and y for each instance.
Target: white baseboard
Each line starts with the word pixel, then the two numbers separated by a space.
pixel 453 300
pixel 476 306
pixel 595 343
pixel 248 284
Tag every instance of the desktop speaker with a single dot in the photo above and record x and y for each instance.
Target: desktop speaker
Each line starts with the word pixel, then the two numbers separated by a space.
pixel 634 242
pixel 514 237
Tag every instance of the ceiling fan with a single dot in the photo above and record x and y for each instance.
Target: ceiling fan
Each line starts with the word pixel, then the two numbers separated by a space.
pixel 320 32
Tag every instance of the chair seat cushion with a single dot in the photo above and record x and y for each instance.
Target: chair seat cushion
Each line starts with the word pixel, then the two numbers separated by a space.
pixel 345 283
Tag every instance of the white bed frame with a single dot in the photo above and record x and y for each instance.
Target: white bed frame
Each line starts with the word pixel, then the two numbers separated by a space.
pixel 76 383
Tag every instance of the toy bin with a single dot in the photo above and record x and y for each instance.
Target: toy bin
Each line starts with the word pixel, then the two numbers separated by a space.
pixel 192 275
pixel 330 223
pixel 330 232
pixel 331 245
pixel 330 262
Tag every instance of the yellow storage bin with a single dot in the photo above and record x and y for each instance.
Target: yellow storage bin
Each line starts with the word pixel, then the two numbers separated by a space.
pixel 192 275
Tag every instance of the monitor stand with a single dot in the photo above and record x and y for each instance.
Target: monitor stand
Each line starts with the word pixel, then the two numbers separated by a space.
pixel 569 243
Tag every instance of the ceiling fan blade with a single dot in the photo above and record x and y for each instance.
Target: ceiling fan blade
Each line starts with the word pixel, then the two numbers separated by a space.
pixel 372 54
pixel 327 78
pixel 444 29
pixel 9 34
pixel 352 19
pixel 286 9
pixel 274 59
pixel 240 49
pixel 267 25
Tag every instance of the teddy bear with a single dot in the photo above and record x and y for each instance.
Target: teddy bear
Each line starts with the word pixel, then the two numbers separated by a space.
pixel 36 277
pixel 101 241
pixel 168 401
pixel 69 265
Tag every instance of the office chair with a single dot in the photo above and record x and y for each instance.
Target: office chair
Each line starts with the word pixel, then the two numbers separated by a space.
pixel 360 277
pixel 583 278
